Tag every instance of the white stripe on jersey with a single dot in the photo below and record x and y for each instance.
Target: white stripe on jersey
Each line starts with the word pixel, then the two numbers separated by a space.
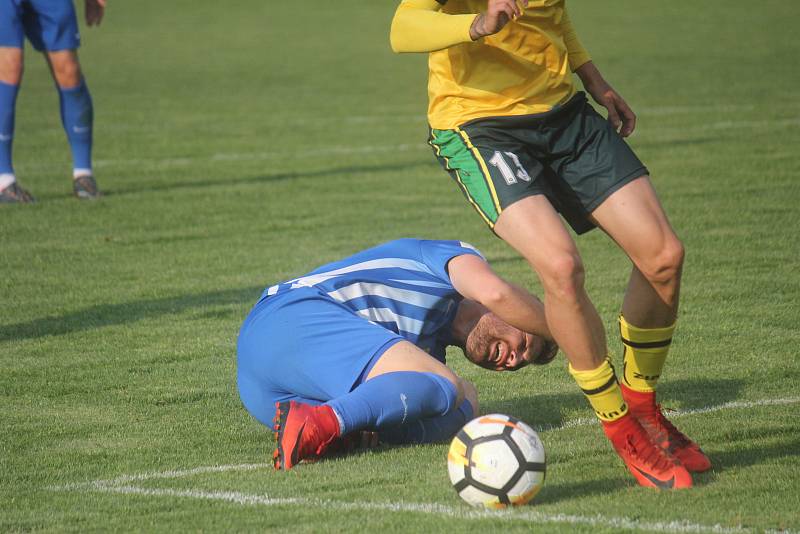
pixel 385 315
pixel 464 244
pixel 423 284
pixel 363 289
pixel 386 263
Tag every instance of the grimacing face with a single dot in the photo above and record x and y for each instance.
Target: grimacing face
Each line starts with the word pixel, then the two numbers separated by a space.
pixel 494 344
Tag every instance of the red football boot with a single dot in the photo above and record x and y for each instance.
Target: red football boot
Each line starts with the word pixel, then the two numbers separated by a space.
pixel 649 464
pixel 643 406
pixel 302 432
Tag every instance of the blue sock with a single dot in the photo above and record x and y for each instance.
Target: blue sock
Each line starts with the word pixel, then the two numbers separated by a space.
pixel 394 399
pixel 431 430
pixel 8 103
pixel 77 116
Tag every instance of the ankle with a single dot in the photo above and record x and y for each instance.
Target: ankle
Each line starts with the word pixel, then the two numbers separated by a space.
pixel 638 400
pixel 329 420
pixel 621 425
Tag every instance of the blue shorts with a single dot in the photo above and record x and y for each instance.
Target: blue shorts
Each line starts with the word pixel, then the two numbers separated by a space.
pixel 303 345
pixel 49 25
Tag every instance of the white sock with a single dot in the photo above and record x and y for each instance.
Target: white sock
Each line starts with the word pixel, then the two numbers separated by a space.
pixel 6 179
pixel 77 173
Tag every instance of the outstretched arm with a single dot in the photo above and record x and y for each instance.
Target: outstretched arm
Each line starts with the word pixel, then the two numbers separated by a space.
pixel 420 26
pixel 474 279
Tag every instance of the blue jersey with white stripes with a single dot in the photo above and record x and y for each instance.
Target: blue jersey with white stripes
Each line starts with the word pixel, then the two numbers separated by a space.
pixel 402 285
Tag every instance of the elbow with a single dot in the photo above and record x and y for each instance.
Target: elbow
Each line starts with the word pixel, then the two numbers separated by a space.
pixel 396 41
pixel 396 44
pixel 402 30
pixel 496 296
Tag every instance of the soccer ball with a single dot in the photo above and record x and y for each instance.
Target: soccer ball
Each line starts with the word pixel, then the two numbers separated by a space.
pixel 496 461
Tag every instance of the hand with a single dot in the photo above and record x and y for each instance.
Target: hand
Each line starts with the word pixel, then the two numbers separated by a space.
pixel 498 14
pixel 94 11
pixel 620 114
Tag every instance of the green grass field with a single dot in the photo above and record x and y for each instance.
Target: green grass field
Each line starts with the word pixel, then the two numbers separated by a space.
pixel 240 144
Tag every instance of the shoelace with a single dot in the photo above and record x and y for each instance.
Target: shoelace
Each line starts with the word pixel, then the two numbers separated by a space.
pixel 657 420
pixel 652 456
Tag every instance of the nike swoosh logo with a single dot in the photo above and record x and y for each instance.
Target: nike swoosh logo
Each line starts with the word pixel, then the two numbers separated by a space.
pixel 296 449
pixel 5 137
pixel 662 484
pixel 80 129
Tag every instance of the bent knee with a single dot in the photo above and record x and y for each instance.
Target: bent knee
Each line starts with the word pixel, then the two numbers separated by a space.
pixel 665 266
pixel 450 394
pixel 11 67
pixel 562 276
pixel 67 73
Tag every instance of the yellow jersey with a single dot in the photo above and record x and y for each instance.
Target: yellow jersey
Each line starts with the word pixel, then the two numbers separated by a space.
pixel 524 68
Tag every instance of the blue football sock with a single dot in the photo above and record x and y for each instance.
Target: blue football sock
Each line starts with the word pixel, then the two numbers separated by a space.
pixel 431 430
pixel 77 116
pixel 8 102
pixel 394 399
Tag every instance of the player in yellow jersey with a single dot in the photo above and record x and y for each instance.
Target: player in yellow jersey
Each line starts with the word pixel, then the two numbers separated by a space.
pixel 523 144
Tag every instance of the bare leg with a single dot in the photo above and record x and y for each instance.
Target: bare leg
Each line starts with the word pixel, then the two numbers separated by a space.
pixel 532 226
pixel 634 218
pixel 11 65
pixel 65 68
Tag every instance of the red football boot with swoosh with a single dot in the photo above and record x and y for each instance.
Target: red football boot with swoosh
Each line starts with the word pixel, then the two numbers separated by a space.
pixel 662 432
pixel 302 432
pixel 648 463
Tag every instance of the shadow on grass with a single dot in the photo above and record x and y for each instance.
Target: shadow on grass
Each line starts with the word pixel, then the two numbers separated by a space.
pixel 127 312
pixel 267 178
pixel 545 410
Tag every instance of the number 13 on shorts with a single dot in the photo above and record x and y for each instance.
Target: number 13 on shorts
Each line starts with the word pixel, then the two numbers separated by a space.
pixel 509 175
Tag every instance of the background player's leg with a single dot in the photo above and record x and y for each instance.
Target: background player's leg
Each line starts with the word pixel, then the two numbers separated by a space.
pixel 77 110
pixel 10 77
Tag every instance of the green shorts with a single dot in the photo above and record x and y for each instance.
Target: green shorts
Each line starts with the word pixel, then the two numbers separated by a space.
pixel 570 154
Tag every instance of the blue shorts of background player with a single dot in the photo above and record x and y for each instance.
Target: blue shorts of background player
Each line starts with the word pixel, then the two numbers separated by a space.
pixel 359 345
pixel 52 28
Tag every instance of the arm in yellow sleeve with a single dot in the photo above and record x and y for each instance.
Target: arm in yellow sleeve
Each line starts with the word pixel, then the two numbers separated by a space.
pixel 576 52
pixel 419 26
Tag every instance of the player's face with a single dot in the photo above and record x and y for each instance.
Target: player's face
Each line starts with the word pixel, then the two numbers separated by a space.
pixel 496 345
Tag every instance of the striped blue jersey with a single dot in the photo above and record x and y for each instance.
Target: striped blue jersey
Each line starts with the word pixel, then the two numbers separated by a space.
pixel 401 285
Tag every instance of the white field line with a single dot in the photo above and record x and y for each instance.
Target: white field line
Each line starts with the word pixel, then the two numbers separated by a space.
pixel 585 421
pixel 451 512
pixel 122 485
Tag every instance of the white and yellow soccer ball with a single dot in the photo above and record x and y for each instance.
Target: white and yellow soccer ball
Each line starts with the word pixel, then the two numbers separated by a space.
pixel 496 461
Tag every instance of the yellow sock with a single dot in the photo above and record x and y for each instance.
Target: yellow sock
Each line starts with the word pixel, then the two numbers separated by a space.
pixel 602 391
pixel 644 354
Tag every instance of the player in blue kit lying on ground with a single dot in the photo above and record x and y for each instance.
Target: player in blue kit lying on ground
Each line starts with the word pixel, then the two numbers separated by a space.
pixel 359 344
